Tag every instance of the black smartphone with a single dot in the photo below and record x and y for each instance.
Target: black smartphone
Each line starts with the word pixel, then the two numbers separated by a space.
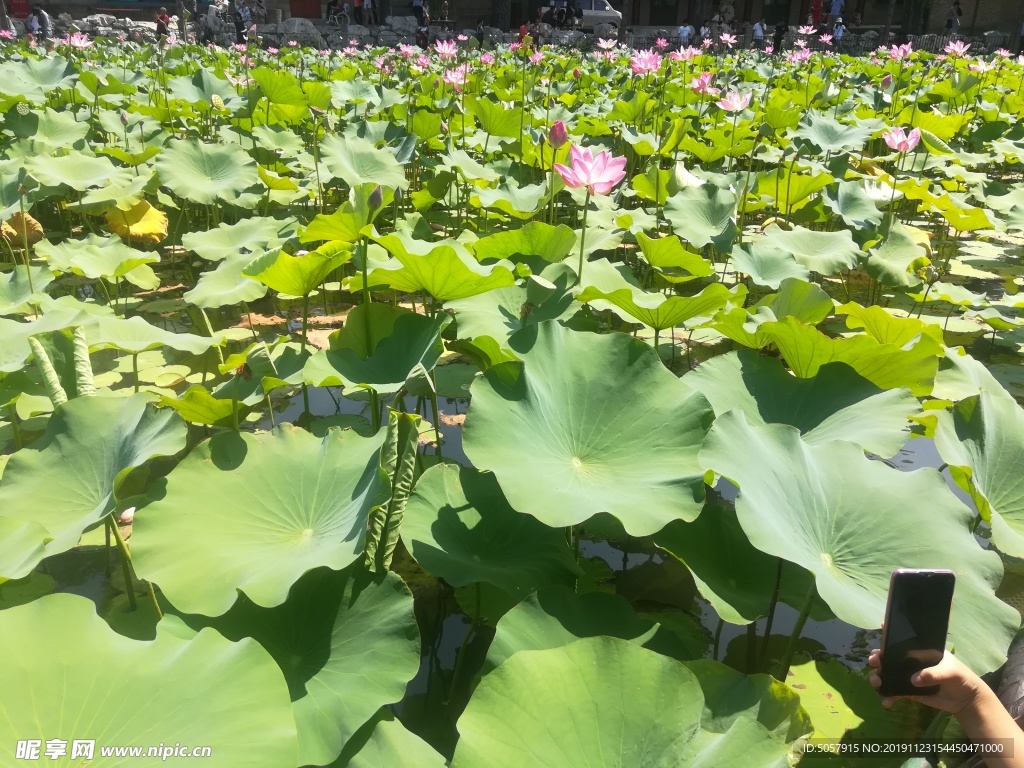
pixel 916 622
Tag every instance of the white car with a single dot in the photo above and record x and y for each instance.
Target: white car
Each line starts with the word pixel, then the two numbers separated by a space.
pixel 595 13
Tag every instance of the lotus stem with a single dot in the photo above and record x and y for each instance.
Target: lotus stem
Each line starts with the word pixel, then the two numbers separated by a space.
pixel 771 617
pixel 437 428
pixel 126 558
pixel 583 238
pixel 460 658
pixel 718 637
pixel 805 611
pixel 135 369
pixel 751 647
pixel 15 427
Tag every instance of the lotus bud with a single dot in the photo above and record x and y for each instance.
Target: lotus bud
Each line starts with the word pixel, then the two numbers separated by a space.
pixel 576 73
pixel 376 198
pixel 931 274
pixel 886 82
pixel 558 135
pixel 124 117
pixel 398 196
pixel 127 516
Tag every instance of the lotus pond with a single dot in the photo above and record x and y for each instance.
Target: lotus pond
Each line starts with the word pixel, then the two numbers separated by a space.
pixel 492 409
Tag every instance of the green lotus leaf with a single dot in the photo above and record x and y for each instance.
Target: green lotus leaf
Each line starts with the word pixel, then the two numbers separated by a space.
pixel 512 199
pixel 264 369
pixel 347 223
pixel 357 161
pixel 494 118
pixel 123 196
pixel 460 528
pixel 200 88
pixel 384 742
pixel 177 691
pixel 847 519
pixel 702 215
pixel 34 78
pixel 834 404
pixel 501 312
pixel 851 203
pixel 886 365
pixel 790 189
pixel 752 327
pixel 206 173
pixel 58 130
pixel 347 643
pixel 830 135
pixel 605 422
pixel 961 375
pixel 251 236
pixel 198 406
pixel 982 439
pixel 280 87
pixel 135 335
pixel 535 239
pixel 896 260
pixel 444 270
pixel 14 335
pixel 556 616
pixel 96 257
pixel 272 506
pixel 823 252
pixel 403 343
pixel 295 275
pixel 886 328
pixel 226 285
pixel 21 287
pixel 669 254
pixel 582 718
pixel 460 162
pixel 76 170
pixel 657 312
pixel 22 546
pixel 767 265
pixel 68 479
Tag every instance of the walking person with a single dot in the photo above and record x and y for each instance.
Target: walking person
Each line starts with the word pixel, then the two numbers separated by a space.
pixel 417 11
pixel 953 18
pixel 760 28
pixel 780 35
pixel 163 23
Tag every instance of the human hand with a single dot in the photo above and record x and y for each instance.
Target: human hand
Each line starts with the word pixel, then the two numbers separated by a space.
pixel 959 687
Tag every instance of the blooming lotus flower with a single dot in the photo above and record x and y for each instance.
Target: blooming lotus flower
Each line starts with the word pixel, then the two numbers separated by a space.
pixel 446 49
pixel 707 43
pixel 487 59
pixel 462 38
pixel 1002 53
pixel 981 66
pixel 606 45
pixel 734 101
pixel 900 52
pixel 685 54
pixel 826 39
pixel 769 49
pixel 537 57
pixel 382 64
pixel 408 51
pixel 702 84
pixel 515 46
pixel 423 61
pixel 273 51
pixel 957 48
pixel 293 44
pixel 457 77
pixel 558 134
pixel 805 30
pixel 645 62
pixel 900 141
pixel 801 56
pixel 800 44
pixel 77 40
pixel 661 43
pixel 598 174
pixel 729 40
pixel 239 47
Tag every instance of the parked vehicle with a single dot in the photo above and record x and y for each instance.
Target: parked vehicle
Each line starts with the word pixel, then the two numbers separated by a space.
pixel 595 13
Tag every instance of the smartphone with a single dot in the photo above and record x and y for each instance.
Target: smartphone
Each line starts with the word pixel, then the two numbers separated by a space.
pixel 916 622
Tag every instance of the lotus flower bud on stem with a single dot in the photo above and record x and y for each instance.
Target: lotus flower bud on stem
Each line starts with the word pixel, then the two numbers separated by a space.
pixel 376 198
pixel 558 135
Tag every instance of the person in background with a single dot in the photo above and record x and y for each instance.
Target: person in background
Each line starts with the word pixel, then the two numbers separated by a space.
pixel 856 21
pixel 760 28
pixel 705 32
pixel 42 24
pixel 371 16
pixel 417 11
pixel 780 35
pixel 816 9
pixel 357 10
pixel 479 34
pixel 524 31
pixel 163 23
pixel 953 17
pixel 835 12
pixel 685 33
pixel 837 32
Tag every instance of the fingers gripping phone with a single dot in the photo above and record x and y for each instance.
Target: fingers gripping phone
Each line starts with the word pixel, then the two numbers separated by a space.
pixel 916 622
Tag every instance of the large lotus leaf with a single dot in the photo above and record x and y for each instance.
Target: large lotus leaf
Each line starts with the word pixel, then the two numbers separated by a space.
pixel 851 203
pixel 249 236
pixel 767 265
pixel 34 78
pixel 982 440
pixel 656 311
pixel 589 424
pixel 535 239
pixel 68 479
pixel 503 311
pixel 896 260
pixel 791 189
pixel 201 88
pixel 206 173
pixel 702 215
pixel 95 257
pixel 460 162
pixel 834 404
pixel 347 643
pixel 169 690
pixel 961 375
pixel 512 199
pixel 22 546
pixel 556 616
pixel 347 222
pixel 296 275
pixel 122 196
pixel 384 742
pixel 135 335
pixel 226 285
pixel 830 135
pixel 823 252
pixel 566 707
pixel 886 365
pixel 669 255
pixel 57 130
pixel 22 286
pixel 411 343
pixel 76 170
pixel 460 528
pixel 142 223
pixel 271 507
pixel 357 161
pixel 14 335
pixel 849 519
pixel 442 270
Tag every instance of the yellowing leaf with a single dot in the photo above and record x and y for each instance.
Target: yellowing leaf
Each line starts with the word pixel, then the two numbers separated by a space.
pixel 142 223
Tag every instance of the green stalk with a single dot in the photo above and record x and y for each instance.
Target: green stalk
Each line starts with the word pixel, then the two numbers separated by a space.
pixel 12 411
pixel 126 568
pixel 583 237
pixel 135 370
pixel 805 611
pixel 771 616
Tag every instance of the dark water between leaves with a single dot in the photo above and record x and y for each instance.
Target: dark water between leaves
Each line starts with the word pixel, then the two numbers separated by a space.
pixel 432 703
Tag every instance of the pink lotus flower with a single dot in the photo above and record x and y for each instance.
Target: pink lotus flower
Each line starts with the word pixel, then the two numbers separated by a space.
pixel 806 30
pixel 800 44
pixel 686 54
pixel 273 51
pixel 537 57
pixel 606 45
pixel 408 51
pixel 78 40
pixel 382 64
pixel 981 66
pixel 799 57
pixel 6 34
pixel 661 43
pixel 702 84
pixel 707 43
pixel 598 174
pixel 423 61
pixel 729 40
pixel 515 46
pixel 900 141
pixel 239 47
pixel 645 62
pixel 769 49
pixel 487 59
pixel 1002 53
pixel 957 48
pixel 446 49
pixel 900 52
pixel 293 44
pixel 353 42
pixel 457 77
pixel 462 38
pixel 826 39
pixel 734 101
pixel 886 82
pixel 558 134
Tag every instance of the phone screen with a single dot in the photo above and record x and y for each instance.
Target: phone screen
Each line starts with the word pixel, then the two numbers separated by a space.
pixel 916 622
